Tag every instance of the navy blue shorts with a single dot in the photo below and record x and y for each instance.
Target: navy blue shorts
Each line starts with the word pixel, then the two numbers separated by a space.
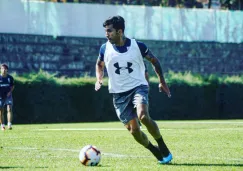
pixel 6 101
pixel 126 102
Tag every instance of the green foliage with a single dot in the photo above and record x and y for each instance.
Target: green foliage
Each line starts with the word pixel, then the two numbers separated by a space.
pixel 190 79
pixel 233 79
pixel 40 77
pixel 43 77
pixel 187 78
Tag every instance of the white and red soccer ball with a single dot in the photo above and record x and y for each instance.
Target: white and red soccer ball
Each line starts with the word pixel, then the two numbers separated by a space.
pixel 89 155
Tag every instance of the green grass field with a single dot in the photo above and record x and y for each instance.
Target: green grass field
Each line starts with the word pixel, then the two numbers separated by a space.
pixel 196 145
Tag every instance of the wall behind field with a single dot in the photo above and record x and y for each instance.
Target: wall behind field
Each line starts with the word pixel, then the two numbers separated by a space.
pixel 76 56
pixel 65 38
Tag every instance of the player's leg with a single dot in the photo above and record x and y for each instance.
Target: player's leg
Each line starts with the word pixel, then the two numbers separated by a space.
pixel 9 116
pixel 152 127
pixel 127 115
pixel 9 104
pixel 134 128
pixel 140 124
pixel 2 115
pixel 141 101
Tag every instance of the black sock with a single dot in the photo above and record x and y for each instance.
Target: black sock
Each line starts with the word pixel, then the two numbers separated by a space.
pixel 155 151
pixel 162 146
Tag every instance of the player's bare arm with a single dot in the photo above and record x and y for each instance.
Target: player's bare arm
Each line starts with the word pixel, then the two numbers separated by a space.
pixel 158 70
pixel 99 70
pixel 11 90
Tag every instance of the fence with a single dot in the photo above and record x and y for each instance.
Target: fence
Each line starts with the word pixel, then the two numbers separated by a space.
pixel 142 22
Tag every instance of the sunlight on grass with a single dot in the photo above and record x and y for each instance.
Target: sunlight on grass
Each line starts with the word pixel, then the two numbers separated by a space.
pixel 196 145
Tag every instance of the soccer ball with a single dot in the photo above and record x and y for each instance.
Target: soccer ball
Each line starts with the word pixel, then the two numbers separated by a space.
pixel 89 155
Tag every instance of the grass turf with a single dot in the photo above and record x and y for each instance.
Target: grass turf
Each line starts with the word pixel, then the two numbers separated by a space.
pixel 195 145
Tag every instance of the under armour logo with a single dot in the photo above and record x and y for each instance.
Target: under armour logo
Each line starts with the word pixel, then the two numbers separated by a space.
pixel 118 68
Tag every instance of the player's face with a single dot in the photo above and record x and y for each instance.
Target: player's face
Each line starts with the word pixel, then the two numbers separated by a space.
pixel 4 70
pixel 112 34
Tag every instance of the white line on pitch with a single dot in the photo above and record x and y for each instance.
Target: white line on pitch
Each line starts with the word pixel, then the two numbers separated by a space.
pixel 72 150
pixel 83 129
pixel 123 129
pixel 115 155
pixel 204 122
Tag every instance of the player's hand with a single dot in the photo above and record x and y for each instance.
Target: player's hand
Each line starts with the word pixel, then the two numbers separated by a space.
pixel 98 85
pixel 165 89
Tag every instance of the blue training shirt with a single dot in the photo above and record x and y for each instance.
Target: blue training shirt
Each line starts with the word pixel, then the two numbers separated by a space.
pixel 5 85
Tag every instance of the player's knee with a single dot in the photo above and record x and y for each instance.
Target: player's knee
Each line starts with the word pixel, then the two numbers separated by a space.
pixel 9 109
pixel 144 118
pixel 135 131
pixel 142 114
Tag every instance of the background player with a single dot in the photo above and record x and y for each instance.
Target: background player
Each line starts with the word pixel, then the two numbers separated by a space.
pixel 6 89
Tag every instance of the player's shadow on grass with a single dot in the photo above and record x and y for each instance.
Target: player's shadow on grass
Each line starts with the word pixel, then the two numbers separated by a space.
pixel 18 167
pixel 201 164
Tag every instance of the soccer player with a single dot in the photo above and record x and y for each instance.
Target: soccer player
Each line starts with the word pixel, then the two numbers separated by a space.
pixel 6 89
pixel 123 59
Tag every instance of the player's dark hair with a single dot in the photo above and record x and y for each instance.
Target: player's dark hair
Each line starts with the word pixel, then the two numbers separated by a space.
pixel 5 66
pixel 118 22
